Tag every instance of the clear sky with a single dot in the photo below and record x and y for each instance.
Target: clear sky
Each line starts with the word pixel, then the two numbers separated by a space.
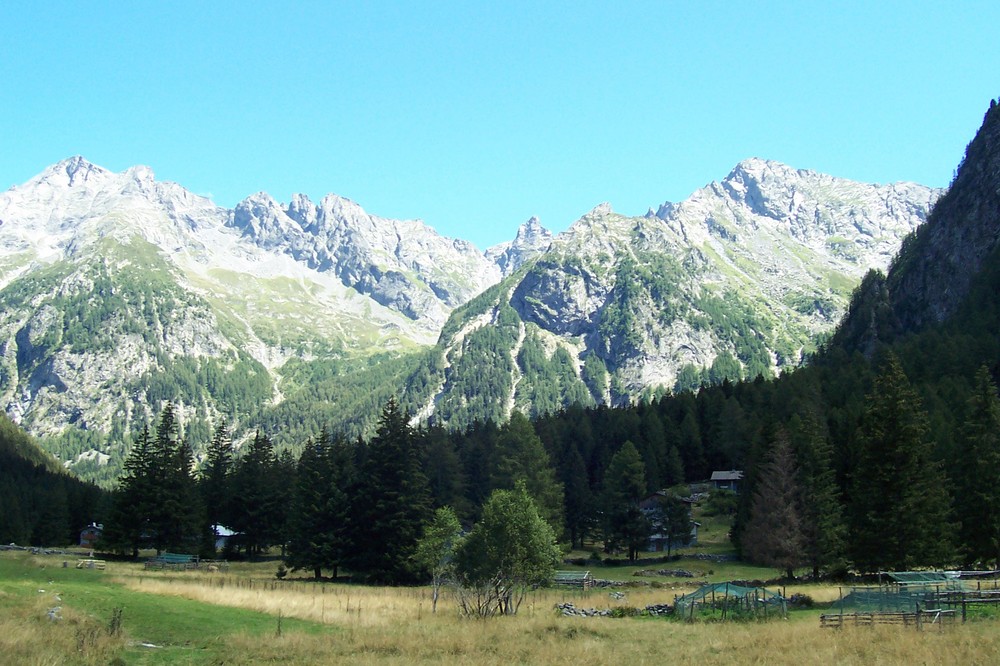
pixel 474 116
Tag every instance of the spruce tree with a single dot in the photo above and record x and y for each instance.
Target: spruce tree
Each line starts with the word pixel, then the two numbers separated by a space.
pixel 255 495
pixel 520 456
pixel 671 517
pixel 579 501
pixel 392 502
pixel 899 502
pixel 977 501
pixel 626 526
pixel 174 506
pixel 215 478
pixel 822 514
pixel 443 468
pixel 774 533
pixel 309 542
pixel 339 501
pixel 51 525
pixel 128 525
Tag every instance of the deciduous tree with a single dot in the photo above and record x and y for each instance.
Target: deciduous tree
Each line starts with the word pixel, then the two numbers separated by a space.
pixel 509 550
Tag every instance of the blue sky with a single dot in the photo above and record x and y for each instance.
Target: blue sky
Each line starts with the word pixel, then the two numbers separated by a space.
pixel 474 116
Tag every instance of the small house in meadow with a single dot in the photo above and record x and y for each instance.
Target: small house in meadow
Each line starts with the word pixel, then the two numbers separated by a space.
pixel 660 542
pixel 222 536
pixel 91 534
pixel 727 480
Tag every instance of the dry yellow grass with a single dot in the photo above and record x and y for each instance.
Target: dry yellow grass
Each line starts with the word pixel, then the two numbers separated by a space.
pixel 29 637
pixel 394 625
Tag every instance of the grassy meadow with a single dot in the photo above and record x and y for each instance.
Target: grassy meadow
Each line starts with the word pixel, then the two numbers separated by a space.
pixel 246 616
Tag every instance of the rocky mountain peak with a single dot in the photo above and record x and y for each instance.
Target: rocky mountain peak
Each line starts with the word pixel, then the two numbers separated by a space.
pixel 532 240
pixel 531 232
pixel 600 210
pixel 78 170
pixel 75 171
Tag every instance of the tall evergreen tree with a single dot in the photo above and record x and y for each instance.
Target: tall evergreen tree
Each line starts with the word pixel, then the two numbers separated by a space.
pixel 579 501
pixel 977 501
pixel 520 456
pixel 626 526
pixel 899 502
pixel 256 495
pixel 443 468
pixel 690 446
pixel 127 527
pixel 774 533
pixel 174 509
pixel 672 518
pixel 283 481
pixel 53 517
pixel 215 477
pixel 822 517
pixel 309 543
pixel 392 502
pixel 339 500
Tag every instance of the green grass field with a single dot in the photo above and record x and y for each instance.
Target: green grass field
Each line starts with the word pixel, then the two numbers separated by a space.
pixel 183 631
pixel 233 618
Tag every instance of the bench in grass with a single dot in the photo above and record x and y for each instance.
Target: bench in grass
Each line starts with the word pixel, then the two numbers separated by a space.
pixel 91 563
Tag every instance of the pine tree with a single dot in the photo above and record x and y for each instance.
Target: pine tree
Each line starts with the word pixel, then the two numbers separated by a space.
pixel 774 533
pixel 13 524
pixel 51 525
pixel 823 524
pixel 690 447
pixel 652 447
pixel 309 542
pixel 579 501
pixel 283 482
pixel 128 524
pixel 977 501
pixel 671 517
pixel 673 468
pixel 392 502
pixel 342 479
pixel 256 496
pixel 215 478
pixel 899 501
pixel 520 456
pixel 626 526
pixel 174 506
pixel 443 468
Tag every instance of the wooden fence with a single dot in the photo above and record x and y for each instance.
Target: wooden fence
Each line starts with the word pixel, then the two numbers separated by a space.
pixel 935 618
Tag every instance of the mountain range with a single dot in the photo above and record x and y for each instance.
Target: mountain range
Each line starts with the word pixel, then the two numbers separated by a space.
pixel 119 292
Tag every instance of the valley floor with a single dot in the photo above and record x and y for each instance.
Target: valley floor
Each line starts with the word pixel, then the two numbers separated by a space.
pixel 246 616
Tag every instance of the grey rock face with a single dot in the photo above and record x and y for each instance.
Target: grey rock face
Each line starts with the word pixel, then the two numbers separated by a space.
pixel 750 267
pixel 532 240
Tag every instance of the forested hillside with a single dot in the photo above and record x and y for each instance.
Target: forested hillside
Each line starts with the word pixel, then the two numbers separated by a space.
pixel 120 293
pixel 40 503
pixel 887 459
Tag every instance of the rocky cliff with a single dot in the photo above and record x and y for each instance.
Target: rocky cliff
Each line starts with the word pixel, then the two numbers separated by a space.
pixel 119 292
pixel 734 282
pixel 931 277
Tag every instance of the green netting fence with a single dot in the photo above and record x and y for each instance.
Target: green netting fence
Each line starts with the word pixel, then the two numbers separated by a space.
pixel 909 591
pixel 730 601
